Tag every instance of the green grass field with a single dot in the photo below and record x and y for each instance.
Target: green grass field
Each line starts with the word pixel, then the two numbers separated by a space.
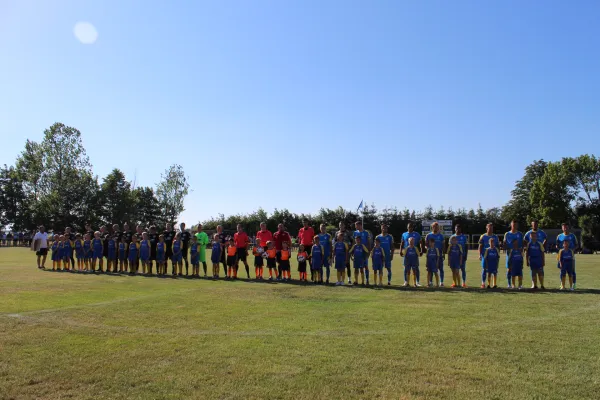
pixel 66 335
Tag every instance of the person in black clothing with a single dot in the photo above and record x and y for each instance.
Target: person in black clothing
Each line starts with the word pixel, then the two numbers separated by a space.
pixel 104 235
pixel 185 241
pixel 153 237
pixel 127 234
pixel 71 237
pixel 224 238
pixel 116 231
pixel 169 235
pixel 88 230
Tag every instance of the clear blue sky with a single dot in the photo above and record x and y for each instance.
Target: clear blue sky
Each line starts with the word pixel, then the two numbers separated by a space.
pixel 404 103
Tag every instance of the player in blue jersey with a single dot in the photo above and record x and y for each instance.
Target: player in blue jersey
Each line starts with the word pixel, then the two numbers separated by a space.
pixel 406 236
pixel 463 242
pixel 378 257
pixel 489 264
pixel 133 254
pixel 440 244
pixel 541 235
pixel 317 257
pixel 325 242
pixel 411 261
pixel 509 237
pixel 484 240
pixel 144 255
pixel 566 261
pixel 97 251
pixel 358 253
pixel 195 256
pixel 111 255
pixel 433 263
pixel 340 258
pixel 567 236
pixel 387 244
pixel 536 260
pixel 515 262
pixel 455 259
pixel 365 238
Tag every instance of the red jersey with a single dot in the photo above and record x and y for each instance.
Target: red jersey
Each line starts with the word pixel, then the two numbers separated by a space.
pixel 281 237
pixel 263 237
pixel 306 235
pixel 241 240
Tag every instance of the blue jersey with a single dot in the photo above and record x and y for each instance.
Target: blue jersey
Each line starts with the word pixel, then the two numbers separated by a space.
pixel 55 251
pixel 112 245
pixel 79 248
pixel 433 259
pixel 176 247
pixel 87 248
pixel 407 235
pixel 364 238
pixel 359 253
pixel 378 256
pixel 515 258
pixel 97 247
pixel 455 254
pixel 439 240
pixel 145 250
pixel 67 247
pixel 194 253
pixel 490 259
pixel 509 237
pixel 216 247
pixel 340 251
pixel 133 251
pixel 160 251
pixel 571 238
pixel 325 242
pixel 485 241
pixel 462 240
pixel 387 241
pixel 411 257
pixel 535 254
pixel 316 255
pixel 122 251
pixel 566 258
pixel 541 236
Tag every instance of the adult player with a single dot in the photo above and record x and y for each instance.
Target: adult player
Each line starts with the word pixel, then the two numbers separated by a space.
pixel 326 243
pixel 203 240
pixel 242 241
pixel 224 239
pixel 463 241
pixel 440 244
pixel 169 235
pixel 366 240
pixel 541 235
pixel 153 237
pixel 263 236
pixel 387 243
pixel 280 237
pixel 416 236
pixel 567 236
pixel 306 235
pixel 185 245
pixel 348 238
pixel 509 237
pixel 71 236
pixel 40 245
pixel 484 244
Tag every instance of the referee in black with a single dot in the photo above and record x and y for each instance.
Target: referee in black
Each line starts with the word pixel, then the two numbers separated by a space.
pixel 185 243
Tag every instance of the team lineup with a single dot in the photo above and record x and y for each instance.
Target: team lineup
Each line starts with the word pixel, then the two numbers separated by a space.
pixel 348 252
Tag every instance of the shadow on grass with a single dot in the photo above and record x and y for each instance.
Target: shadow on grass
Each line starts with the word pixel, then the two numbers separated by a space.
pixel 448 290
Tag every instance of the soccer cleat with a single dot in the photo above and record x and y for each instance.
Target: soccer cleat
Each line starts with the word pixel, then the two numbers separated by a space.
pixel 453 285
pixel 464 285
pixel 561 287
pixel 543 287
pixel 574 286
pixel 389 283
pixel 509 287
pixel 418 285
pixel 572 289
pixel 489 287
pixel 495 287
pixel 430 284
pixel 355 283
pixel 520 287
pixel 442 284
pixel 405 284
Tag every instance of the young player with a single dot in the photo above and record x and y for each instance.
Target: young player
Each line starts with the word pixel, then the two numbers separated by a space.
pixel 67 252
pixel 567 236
pixel 455 259
pixel 111 258
pixel 378 258
pixel 515 262
pixel 358 253
pixel 87 251
pixel 463 242
pixel 325 242
pixel 161 251
pixel 79 251
pixel 133 254
pixel 232 260
pixel 195 256
pixel 489 263
pixel 145 254
pixel 433 262
pixel 98 252
pixel 440 244
pixel 302 258
pixel 215 256
pixel 123 255
pixel 340 252
pixel 257 252
pixel 317 256
pixel 536 260
pixel 411 262
pixel 177 259
pixel 55 252
pixel 566 258
pixel 387 243
pixel 284 262
pixel 509 237
pixel 271 260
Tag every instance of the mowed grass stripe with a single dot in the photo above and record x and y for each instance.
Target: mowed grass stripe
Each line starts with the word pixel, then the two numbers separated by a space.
pixel 83 336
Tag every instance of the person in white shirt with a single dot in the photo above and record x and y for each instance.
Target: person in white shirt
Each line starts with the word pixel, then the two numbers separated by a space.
pixel 40 245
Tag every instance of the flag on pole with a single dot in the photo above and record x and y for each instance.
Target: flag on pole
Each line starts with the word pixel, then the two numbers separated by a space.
pixel 360 207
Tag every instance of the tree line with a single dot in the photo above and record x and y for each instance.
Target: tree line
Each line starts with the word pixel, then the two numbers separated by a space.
pixel 52 183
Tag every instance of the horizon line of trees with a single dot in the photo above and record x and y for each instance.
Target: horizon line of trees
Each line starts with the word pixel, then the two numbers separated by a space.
pixel 52 183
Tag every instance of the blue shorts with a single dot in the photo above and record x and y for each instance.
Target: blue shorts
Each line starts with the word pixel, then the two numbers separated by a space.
pixel 493 270
pixel 177 257
pixel 566 271
pixel 516 271
pixel 359 265
pixel 388 262
pixel 433 270
pixel 112 255
pixel 160 257
pixel 215 257
pixel 413 267
pixel 195 259
pixel 340 264
pixel 132 259
pixel 539 271
pixel 145 257
pixel 377 267
pixel 316 266
pixel 55 256
pixel 455 266
pixel 97 254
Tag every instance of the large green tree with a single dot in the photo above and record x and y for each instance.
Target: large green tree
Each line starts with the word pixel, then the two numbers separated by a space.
pixel 171 192
pixel 118 201
pixel 519 206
